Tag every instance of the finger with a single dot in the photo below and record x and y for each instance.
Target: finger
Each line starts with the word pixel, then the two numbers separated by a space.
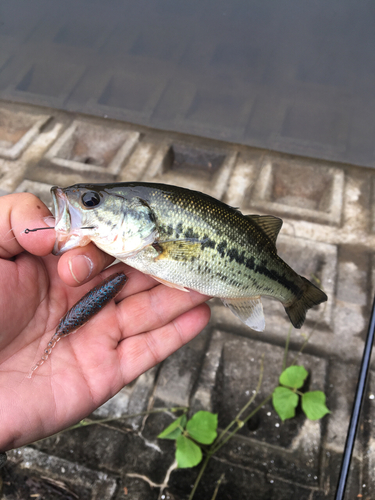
pixel 18 212
pixel 155 308
pixel 142 352
pixel 98 270
pixel 81 264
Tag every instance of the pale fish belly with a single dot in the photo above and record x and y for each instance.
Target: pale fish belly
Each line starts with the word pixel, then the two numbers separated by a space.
pixel 208 275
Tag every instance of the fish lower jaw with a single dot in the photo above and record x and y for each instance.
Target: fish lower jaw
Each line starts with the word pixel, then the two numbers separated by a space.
pixel 67 242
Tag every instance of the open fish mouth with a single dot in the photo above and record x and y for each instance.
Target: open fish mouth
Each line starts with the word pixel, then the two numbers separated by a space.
pixel 68 223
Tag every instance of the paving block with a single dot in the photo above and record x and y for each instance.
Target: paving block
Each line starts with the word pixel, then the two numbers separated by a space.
pixel 137 488
pixel 317 262
pixel 134 398
pixel 354 488
pixel 342 382
pixel 11 174
pixel 89 147
pixel 203 169
pixel 358 208
pixel 316 126
pixel 179 373
pixel 237 483
pixel 352 308
pixel 129 95
pixel 86 483
pixel 217 114
pixel 242 179
pixel 284 490
pixel 174 102
pixel 264 442
pixel 116 446
pixel 148 154
pixel 17 130
pixel 33 81
pixel 293 187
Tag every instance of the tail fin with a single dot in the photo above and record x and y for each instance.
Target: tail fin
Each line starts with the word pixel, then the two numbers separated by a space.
pixel 311 296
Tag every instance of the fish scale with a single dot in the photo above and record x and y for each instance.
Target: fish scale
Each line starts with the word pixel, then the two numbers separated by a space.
pixel 188 240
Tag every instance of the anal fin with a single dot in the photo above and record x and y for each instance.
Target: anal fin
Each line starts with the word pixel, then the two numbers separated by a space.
pixel 249 310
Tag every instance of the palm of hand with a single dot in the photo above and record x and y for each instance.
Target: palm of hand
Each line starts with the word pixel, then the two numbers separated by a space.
pixel 141 327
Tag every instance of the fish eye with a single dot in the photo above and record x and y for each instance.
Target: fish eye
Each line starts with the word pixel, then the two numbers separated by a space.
pixel 90 199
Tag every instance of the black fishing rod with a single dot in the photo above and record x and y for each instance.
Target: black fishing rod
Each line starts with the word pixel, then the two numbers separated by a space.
pixel 357 405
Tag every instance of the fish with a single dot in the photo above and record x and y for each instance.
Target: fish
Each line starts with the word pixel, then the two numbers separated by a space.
pixel 187 240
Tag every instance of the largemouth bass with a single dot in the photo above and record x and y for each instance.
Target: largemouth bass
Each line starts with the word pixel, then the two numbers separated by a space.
pixel 187 240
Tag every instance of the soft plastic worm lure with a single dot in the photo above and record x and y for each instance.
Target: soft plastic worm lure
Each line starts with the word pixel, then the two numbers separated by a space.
pixel 89 305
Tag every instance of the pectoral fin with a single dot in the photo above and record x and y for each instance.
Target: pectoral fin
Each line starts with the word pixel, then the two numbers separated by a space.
pixel 181 250
pixel 249 310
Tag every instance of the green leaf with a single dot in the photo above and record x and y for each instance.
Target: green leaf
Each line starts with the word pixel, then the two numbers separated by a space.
pixel 314 405
pixel 294 376
pixel 174 429
pixel 202 427
pixel 188 454
pixel 284 401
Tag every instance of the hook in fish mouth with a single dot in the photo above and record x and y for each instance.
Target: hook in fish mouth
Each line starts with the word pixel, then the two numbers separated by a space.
pixel 27 231
pixel 68 224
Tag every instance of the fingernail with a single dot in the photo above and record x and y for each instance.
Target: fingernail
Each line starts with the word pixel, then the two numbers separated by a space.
pixel 81 267
pixel 50 221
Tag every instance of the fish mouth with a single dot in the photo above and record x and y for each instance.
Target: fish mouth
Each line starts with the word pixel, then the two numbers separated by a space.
pixel 67 223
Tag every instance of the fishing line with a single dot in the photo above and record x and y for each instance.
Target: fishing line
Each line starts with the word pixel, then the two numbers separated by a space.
pixel 358 402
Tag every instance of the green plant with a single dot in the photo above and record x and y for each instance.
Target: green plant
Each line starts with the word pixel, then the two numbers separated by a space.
pixel 190 435
pixel 285 397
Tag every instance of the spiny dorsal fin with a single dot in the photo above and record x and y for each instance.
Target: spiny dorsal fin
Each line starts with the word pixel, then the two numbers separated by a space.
pixel 269 224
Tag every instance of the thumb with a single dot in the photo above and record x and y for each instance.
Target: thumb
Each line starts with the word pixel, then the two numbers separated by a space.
pixel 22 211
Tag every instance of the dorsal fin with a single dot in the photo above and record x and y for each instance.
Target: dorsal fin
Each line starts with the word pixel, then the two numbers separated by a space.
pixel 269 224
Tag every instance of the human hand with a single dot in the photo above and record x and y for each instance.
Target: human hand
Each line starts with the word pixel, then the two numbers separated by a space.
pixel 143 325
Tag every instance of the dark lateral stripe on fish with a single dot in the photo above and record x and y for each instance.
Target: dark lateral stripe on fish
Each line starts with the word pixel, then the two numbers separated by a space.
pixel 239 258
pixel 207 243
pixel 262 269
pixel 179 229
pixel 282 280
pixel 221 248
pixel 233 254
pixel 191 234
